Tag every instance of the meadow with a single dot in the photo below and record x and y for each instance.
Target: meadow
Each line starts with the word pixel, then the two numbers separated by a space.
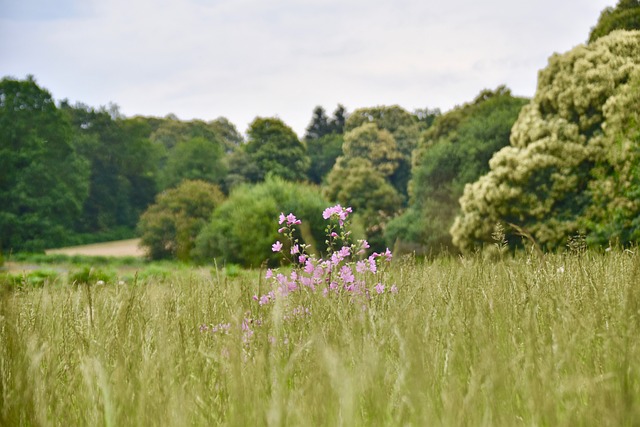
pixel 525 340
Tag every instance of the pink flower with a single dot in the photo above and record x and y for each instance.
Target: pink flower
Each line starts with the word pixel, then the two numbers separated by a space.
pixel 345 252
pixel 302 259
pixel 295 249
pixel 276 247
pixel 379 288
pixel 387 254
pixel 269 274
pixel 282 218
pixel 292 220
pixel 394 289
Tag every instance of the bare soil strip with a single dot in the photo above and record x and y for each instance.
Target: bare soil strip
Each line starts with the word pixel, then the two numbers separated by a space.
pixel 117 248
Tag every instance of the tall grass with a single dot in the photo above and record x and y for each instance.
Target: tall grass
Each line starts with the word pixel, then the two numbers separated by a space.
pixel 550 341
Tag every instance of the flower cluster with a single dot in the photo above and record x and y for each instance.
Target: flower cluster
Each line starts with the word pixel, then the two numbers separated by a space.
pixel 345 269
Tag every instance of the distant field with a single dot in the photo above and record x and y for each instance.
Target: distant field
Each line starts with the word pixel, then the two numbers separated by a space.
pixel 117 248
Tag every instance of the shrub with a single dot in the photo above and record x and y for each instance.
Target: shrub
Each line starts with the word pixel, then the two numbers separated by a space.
pixel 241 229
pixel 170 226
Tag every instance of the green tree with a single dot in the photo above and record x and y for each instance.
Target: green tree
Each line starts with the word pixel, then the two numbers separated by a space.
pixel 242 230
pixel 276 150
pixel 356 182
pixel 454 151
pixel 195 159
pixel 376 145
pixel 542 182
pixel 405 129
pixel 323 153
pixel 625 16
pixel 43 181
pixel 319 125
pixel 123 166
pixel 169 227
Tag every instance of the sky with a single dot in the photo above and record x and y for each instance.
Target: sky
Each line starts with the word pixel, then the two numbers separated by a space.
pixel 240 59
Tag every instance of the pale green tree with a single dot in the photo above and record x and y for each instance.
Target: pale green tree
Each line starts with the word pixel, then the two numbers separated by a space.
pixel 541 184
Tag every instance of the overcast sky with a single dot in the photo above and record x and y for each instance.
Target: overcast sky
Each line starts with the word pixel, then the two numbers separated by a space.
pixel 246 58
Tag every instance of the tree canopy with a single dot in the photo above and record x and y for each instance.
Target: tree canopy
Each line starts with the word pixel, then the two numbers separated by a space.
pixel 454 151
pixel 43 180
pixel 543 182
pixel 276 150
pixel 625 16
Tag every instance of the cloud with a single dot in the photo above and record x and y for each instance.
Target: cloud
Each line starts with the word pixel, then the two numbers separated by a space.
pixel 244 58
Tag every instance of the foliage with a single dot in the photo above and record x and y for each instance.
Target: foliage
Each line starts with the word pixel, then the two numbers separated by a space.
pixel 194 159
pixel 43 180
pixel 625 16
pixel 323 153
pixel 240 230
pixel 355 181
pixel 454 151
pixel 405 129
pixel 123 164
pixel 322 125
pixel 169 227
pixel 541 183
pixel 275 150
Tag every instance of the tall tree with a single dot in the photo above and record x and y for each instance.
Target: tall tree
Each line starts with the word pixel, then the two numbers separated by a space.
pixel 43 181
pixel 319 125
pixel 276 150
pixel 122 181
pixel 625 16
pixel 454 151
pixel 542 183
pixel 195 159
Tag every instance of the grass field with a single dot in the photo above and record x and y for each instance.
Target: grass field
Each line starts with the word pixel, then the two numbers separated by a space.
pixel 549 341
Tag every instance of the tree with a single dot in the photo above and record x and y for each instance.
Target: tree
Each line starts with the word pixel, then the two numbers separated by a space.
pixel 323 153
pixel 43 180
pixel 276 150
pixel 454 151
pixel 319 125
pixel 376 145
pixel 123 165
pixel 625 16
pixel 405 129
pixel 356 182
pixel 195 159
pixel 542 182
pixel 169 227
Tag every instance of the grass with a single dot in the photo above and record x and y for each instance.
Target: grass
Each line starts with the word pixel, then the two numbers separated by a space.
pixel 550 341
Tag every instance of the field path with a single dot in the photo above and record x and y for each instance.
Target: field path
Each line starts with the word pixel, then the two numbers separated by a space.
pixel 117 248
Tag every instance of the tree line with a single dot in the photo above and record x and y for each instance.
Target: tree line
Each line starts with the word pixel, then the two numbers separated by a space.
pixel 563 162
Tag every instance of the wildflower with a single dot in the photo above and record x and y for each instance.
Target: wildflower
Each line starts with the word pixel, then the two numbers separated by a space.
pixel 394 289
pixel 345 251
pixel 282 218
pixel 302 258
pixel 379 288
pixel 269 274
pixel 276 247
pixel 292 220
pixel 295 249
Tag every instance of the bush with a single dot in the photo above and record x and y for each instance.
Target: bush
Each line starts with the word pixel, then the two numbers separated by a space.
pixel 241 229
pixel 169 227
